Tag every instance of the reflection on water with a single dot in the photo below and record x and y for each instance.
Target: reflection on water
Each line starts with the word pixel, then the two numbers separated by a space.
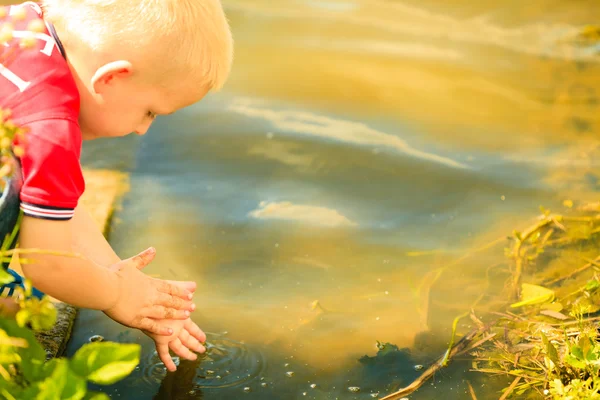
pixel 311 214
pixel 330 128
pixel 354 184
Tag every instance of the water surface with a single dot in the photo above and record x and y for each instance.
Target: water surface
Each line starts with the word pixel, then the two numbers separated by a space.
pixel 359 146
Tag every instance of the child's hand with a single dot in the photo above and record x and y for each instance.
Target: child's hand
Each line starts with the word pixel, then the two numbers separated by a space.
pixel 186 337
pixel 142 300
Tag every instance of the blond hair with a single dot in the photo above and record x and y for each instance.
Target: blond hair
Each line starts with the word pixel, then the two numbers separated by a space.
pixel 181 38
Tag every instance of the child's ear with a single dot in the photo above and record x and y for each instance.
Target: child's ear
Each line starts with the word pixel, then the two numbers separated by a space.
pixel 106 74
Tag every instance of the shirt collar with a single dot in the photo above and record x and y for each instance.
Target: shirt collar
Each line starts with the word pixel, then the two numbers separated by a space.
pixel 56 39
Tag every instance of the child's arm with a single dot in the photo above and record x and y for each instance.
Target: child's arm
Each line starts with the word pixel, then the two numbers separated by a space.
pixel 122 291
pixel 186 337
pixel 89 241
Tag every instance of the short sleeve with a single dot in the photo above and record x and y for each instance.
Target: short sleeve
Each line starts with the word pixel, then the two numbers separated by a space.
pixel 52 176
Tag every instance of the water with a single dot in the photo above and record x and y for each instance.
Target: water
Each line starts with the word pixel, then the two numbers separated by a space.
pixel 358 147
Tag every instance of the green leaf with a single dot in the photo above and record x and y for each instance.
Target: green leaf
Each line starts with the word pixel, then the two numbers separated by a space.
pixel 574 362
pixel 577 352
pixel 105 363
pixel 592 285
pixel 33 356
pixel 8 354
pixel 5 277
pixel 58 382
pixel 591 356
pixel 550 349
pixel 75 386
pixel 43 314
pixel 44 390
pixel 533 294
pixel 96 396
pixel 22 317
pixel 10 388
pixel 587 348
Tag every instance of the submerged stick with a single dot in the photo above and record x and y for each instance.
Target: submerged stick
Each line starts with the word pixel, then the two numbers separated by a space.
pixel 424 289
pixel 471 391
pixel 591 263
pixel 460 346
pixel 519 259
pixel 510 388
pixel 446 358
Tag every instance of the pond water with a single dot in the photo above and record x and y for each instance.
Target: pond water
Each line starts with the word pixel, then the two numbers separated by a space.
pixel 359 149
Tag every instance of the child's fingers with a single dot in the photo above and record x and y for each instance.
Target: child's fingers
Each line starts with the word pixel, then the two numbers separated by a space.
pixel 187 285
pixel 182 351
pixel 142 259
pixel 152 326
pixel 191 342
pixel 165 357
pixel 166 300
pixel 161 312
pixel 195 330
pixel 173 289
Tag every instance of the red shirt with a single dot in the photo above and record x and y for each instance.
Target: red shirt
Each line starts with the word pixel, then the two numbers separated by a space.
pixel 37 86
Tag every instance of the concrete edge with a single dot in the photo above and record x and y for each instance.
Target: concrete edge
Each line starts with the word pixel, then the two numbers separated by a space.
pixel 55 340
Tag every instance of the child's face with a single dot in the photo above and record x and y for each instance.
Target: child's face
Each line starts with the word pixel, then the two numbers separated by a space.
pixel 126 105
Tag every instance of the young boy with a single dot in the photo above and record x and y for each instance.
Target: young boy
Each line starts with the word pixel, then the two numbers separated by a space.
pixel 104 68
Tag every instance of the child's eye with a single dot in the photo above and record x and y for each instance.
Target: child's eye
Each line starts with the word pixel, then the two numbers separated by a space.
pixel 150 115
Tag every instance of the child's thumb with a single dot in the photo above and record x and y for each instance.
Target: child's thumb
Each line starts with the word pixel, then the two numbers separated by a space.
pixel 142 259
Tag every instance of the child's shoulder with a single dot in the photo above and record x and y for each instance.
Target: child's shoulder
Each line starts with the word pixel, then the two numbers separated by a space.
pixel 36 82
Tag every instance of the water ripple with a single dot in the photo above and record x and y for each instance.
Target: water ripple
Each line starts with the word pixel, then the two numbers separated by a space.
pixel 226 363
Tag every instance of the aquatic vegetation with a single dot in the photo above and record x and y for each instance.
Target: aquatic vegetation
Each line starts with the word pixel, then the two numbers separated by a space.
pixel 544 336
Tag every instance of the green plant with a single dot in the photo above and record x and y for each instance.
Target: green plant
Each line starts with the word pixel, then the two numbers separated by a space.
pixel 25 374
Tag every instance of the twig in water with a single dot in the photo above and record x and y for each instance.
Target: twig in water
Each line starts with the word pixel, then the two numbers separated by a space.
pixel 590 264
pixel 510 388
pixel 432 277
pixel 446 358
pixel 478 343
pixel 460 346
pixel 516 284
pixel 471 391
pixel 558 224
pixel 475 319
